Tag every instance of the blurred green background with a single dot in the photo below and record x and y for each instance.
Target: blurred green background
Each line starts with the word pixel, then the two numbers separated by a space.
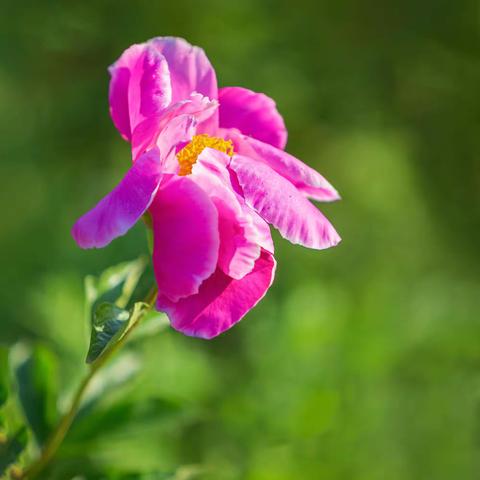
pixel 363 362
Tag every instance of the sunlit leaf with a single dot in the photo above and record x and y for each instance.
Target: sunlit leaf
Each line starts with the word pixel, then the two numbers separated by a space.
pixel 11 448
pixel 110 323
pixel 115 285
pixel 107 298
pixel 36 372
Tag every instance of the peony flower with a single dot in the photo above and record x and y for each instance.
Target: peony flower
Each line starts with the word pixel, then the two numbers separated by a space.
pixel 210 169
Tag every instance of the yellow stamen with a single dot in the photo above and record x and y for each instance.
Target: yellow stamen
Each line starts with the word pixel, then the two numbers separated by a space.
pixel 188 155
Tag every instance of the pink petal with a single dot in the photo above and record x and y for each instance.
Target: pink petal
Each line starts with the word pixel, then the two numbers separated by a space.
pixel 306 179
pixel 139 88
pixel 221 301
pixel 281 204
pixel 146 134
pixel 264 235
pixel 254 114
pixel 239 237
pixel 178 131
pixel 185 238
pixel 165 135
pixel 190 69
pixel 115 214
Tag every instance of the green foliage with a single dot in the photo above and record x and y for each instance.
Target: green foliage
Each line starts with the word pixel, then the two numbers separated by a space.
pixel 106 298
pixel 36 373
pixel 36 369
pixel 11 448
pixel 114 285
pixel 13 438
pixel 110 324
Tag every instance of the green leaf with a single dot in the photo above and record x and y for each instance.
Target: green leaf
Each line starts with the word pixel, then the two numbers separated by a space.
pixel 115 285
pixel 4 384
pixel 36 372
pixel 108 321
pixel 110 324
pixel 107 299
pixel 11 449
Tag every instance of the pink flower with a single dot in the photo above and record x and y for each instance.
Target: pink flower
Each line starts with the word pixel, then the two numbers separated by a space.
pixel 210 168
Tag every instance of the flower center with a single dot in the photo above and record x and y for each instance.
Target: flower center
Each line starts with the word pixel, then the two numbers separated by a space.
pixel 188 155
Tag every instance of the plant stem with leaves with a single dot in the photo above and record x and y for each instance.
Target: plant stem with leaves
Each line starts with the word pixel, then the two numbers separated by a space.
pixel 57 436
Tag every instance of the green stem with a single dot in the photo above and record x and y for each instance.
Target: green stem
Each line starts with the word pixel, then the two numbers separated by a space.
pixel 66 421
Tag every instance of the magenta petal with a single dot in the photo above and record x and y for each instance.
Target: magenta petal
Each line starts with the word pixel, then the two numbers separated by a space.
pixel 115 214
pixel 239 237
pixel 263 230
pixel 254 114
pixel 281 204
pixel 165 135
pixel 146 134
pixel 190 69
pixel 221 301
pixel 139 88
pixel 185 238
pixel 179 130
pixel 306 179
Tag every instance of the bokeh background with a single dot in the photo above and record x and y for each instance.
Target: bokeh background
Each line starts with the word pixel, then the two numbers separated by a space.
pixel 363 362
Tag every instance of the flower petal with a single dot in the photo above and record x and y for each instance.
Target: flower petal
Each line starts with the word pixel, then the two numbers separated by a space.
pixel 281 204
pixel 254 114
pixel 190 69
pixel 306 179
pixel 177 131
pixel 139 87
pixel 115 214
pixel 264 235
pixel 239 236
pixel 148 132
pixel 185 238
pixel 221 301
